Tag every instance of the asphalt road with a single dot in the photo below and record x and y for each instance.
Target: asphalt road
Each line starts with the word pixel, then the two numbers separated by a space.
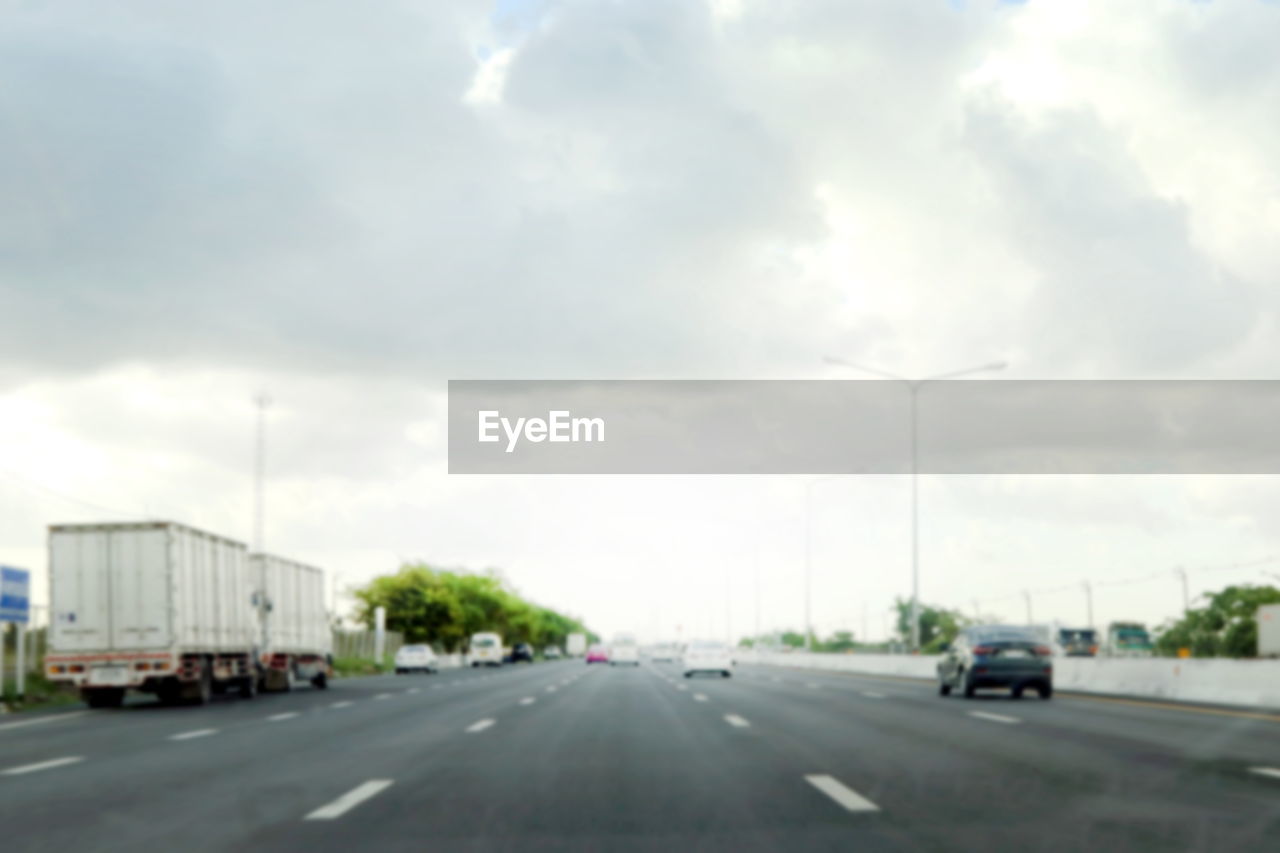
pixel 562 756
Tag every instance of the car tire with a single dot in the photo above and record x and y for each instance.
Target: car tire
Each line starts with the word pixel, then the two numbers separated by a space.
pixel 967 686
pixel 727 674
pixel 688 675
pixel 1045 691
pixel 1016 692
pixel 320 681
pixel 944 689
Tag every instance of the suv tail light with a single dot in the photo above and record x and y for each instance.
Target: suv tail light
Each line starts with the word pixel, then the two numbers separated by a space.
pixel 984 650
pixel 1043 651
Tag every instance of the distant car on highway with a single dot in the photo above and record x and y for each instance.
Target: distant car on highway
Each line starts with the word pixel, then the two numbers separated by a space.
pixel 597 654
pixel 1078 642
pixel 486 649
pixel 552 653
pixel 415 659
pixel 707 656
pixel 522 653
pixel 996 656
pixel 624 651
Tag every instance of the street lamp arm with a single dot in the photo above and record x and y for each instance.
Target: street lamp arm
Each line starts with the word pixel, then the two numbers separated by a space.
pixel 872 370
pixel 993 366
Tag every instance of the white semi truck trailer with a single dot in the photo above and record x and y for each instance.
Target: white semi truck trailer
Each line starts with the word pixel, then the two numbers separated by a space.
pixel 296 642
pixel 163 608
pixel 152 606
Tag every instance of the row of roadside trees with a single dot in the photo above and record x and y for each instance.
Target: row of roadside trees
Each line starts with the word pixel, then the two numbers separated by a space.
pixel 443 608
pixel 1225 626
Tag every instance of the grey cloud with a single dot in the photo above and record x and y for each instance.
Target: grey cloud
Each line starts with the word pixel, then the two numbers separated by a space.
pixel 1120 280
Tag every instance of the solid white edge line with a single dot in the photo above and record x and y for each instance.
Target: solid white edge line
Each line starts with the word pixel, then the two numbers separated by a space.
pixel 995 718
pixel 479 725
pixel 52 718
pixel 350 800
pixel 1266 771
pixel 42 765
pixel 193 734
pixel 735 720
pixel 850 799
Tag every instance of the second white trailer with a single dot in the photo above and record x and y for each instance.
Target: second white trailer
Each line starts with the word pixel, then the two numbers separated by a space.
pixel 296 641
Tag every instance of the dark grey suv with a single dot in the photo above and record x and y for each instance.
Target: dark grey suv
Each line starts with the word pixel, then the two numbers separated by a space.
pixel 996 656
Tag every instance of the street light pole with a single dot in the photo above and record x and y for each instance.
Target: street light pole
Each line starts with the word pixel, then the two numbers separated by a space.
pixel 1186 596
pixel 1026 594
pixel 914 386
pixel 262 401
pixel 1088 597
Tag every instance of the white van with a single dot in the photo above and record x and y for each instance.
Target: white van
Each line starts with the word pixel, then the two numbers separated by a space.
pixel 486 649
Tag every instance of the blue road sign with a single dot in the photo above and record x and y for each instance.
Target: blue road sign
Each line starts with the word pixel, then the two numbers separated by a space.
pixel 15 595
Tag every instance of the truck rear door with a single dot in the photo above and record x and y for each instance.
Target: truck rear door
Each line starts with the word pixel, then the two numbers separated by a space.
pixel 80 591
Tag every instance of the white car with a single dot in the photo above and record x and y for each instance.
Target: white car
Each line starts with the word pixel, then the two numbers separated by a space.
pixel 624 653
pixel 704 656
pixel 486 649
pixel 415 659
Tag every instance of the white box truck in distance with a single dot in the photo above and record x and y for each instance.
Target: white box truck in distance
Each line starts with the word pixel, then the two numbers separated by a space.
pixel 576 645
pixel 151 606
pixel 297 642
pixel 1269 631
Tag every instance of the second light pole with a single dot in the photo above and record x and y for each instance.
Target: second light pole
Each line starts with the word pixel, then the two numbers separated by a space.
pixel 914 386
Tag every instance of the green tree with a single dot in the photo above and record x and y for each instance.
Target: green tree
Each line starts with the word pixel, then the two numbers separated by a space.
pixel 1227 626
pixel 446 607
pixel 938 626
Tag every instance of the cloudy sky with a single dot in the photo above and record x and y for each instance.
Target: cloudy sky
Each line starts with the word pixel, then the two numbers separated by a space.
pixel 346 205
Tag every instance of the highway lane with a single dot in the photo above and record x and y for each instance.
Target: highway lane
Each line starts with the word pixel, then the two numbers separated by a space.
pixel 1113 777
pixel 569 757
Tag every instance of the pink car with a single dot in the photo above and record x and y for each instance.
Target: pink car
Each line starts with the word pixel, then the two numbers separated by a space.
pixel 597 654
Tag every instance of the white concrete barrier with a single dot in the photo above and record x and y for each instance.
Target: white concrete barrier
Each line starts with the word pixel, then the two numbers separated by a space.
pixel 1249 683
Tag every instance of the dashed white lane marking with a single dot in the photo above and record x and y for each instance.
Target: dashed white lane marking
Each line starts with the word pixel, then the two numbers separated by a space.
pixel 287 715
pixel 735 720
pixel 415 689
pixel 528 700
pixel 995 718
pixel 777 680
pixel 52 718
pixel 841 793
pixel 479 725
pixel 812 686
pixel 383 696
pixel 1266 771
pixel 42 765
pixel 551 688
pixel 699 697
pixel 871 694
pixel 343 704
pixel 350 800
pixel 439 687
pixel 192 735
pixel 681 687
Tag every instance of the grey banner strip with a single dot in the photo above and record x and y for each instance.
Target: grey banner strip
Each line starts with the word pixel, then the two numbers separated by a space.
pixel 781 427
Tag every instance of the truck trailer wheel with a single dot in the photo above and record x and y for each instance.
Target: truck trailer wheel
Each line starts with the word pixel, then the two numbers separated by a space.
pixel 103 697
pixel 249 686
pixel 200 692
pixel 320 681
